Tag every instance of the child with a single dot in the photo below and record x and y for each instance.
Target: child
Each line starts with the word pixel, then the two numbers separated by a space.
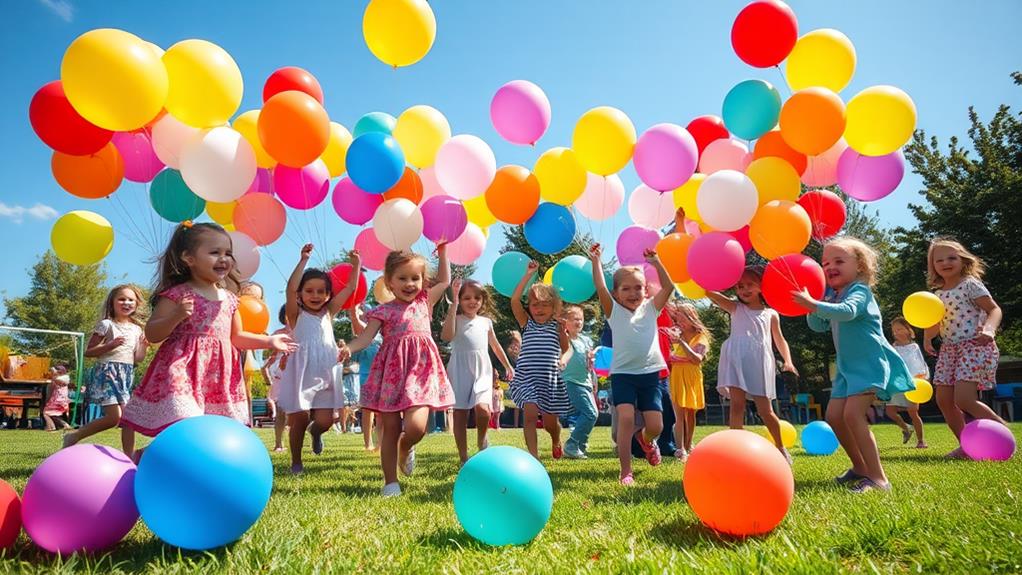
pixel 497 407
pixel 908 349
pixel 365 363
pixel 867 365
pixel 968 355
pixel 197 370
pixel 747 365
pixel 687 356
pixel 637 361
pixel 407 378
pixel 271 369
pixel 118 342
pixel 514 349
pixel 537 387
pixel 350 379
pixel 57 400
pixel 576 369
pixel 471 336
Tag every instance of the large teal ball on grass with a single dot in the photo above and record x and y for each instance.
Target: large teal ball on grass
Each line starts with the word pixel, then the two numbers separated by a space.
pixel 203 482
pixel 818 439
pixel 503 496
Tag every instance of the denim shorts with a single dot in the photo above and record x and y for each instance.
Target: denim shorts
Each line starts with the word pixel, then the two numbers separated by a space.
pixel 641 390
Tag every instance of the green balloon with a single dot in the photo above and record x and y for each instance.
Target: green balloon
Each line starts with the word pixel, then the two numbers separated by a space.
pixel 172 199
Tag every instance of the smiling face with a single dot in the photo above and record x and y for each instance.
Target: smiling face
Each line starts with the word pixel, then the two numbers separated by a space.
pixel 212 259
pixel 947 262
pixel 124 304
pixel 470 300
pixel 901 333
pixel 749 289
pixel 840 266
pixel 629 288
pixel 314 294
pixel 407 280
pixel 574 320
pixel 679 318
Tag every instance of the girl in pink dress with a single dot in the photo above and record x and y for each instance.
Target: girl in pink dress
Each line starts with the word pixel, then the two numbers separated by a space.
pixel 197 369
pixel 407 378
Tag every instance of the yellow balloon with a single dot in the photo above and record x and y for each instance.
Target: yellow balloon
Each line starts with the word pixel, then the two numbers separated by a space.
pixel 381 292
pixel 336 150
pixel 82 238
pixel 775 179
pixel 114 79
pixel 691 290
pixel 923 309
pixel 880 119
pixel 824 57
pixel 479 213
pixel 562 179
pixel 604 140
pixel 922 393
pixel 685 197
pixel 399 32
pixel 221 213
pixel 205 83
pixel 788 434
pixel 230 227
pixel 420 131
pixel 247 125
pixel 486 232
pixel 548 277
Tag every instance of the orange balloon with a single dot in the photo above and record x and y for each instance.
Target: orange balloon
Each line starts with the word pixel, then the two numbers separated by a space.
pixel 513 196
pixel 294 128
pixel 673 252
pixel 812 120
pixel 779 228
pixel 260 217
pixel 773 144
pixel 91 177
pixel 255 316
pixel 408 187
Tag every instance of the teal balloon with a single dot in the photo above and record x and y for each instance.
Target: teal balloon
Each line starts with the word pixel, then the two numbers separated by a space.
pixel 374 122
pixel 508 271
pixel 503 496
pixel 751 109
pixel 819 439
pixel 551 229
pixel 171 198
pixel 573 278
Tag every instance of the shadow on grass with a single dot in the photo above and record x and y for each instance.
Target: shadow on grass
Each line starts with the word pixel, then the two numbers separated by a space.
pixel 130 556
pixel 686 534
pixel 660 493
pixel 454 539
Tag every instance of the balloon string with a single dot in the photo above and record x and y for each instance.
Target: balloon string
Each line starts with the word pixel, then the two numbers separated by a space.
pixel 132 234
pixel 784 81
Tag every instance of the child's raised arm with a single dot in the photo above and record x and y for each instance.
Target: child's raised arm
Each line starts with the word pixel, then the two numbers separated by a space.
pixel 443 276
pixel 666 284
pixel 722 301
pixel 781 344
pixel 516 298
pixel 291 303
pixel 606 302
pixel 336 303
pixel 451 319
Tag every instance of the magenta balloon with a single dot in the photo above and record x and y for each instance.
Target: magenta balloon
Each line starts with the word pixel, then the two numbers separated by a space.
pixel 520 112
pixel 140 161
pixel 716 261
pixel 869 178
pixel 443 219
pixel 354 205
pixel 665 156
pixel 632 242
pixel 374 254
pixel 986 440
pixel 302 188
pixel 742 235
pixel 262 183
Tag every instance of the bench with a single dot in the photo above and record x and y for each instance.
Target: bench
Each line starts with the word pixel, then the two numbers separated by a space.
pixel 261 412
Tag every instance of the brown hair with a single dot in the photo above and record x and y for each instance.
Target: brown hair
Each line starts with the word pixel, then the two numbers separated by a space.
pixel 398 259
pixel 972 265
pixel 108 306
pixel 568 308
pixel 542 292
pixel 173 270
pixel 486 310
pixel 903 323
pixel 692 315
pixel 250 284
pixel 622 272
pixel 865 255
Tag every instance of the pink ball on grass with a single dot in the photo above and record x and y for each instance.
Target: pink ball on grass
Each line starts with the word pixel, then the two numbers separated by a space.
pixel 986 440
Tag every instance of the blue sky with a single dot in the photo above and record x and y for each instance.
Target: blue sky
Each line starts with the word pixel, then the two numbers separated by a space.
pixel 659 61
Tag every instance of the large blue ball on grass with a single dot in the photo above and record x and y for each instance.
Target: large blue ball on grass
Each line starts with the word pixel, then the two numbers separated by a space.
pixel 818 439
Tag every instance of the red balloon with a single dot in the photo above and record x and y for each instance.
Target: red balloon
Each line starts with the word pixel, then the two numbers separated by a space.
pixel 706 129
pixel 339 276
pixel 292 78
pixel 792 272
pixel 742 235
pixel 764 33
pixel 60 127
pixel 826 212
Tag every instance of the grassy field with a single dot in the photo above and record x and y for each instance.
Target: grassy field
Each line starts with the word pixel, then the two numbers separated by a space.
pixel 942 517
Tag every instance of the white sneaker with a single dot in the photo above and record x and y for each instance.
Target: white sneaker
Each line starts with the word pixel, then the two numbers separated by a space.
pixel 391 490
pixel 409 467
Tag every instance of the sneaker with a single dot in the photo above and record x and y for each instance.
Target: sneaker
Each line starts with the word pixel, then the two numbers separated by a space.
pixel 297 469
pixel 650 448
pixel 391 490
pixel 849 477
pixel 278 449
pixel 906 434
pixel 921 445
pixel 868 484
pixel 408 467
pixel 572 452
pixel 956 453
pixel 681 455
pixel 356 429
pixel 557 451
pixel 627 480
pixel 787 457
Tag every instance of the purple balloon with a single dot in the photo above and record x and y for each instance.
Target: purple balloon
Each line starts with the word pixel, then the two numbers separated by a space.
pixel 633 241
pixel 140 161
pixel 302 188
pixel 716 261
pixel 665 156
pixel 983 439
pixel 354 205
pixel 520 112
pixel 262 183
pixel 443 219
pixel 869 178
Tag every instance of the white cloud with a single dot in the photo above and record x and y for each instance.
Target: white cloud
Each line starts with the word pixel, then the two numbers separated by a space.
pixel 62 8
pixel 17 213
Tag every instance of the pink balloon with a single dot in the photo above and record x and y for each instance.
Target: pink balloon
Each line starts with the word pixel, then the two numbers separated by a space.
pixel 692 228
pixel 443 219
pixel 650 208
pixel 725 154
pixel 716 261
pixel 821 171
pixel 633 241
pixel 742 235
pixel 430 186
pixel 246 254
pixel 652 279
pixel 869 178
pixel 141 164
pixel 665 156
pixel 468 247
pixel 520 112
pixel 374 254
pixel 602 197
pixel 465 166
pixel 261 217
pixel 354 205
pixel 302 188
pixel 263 182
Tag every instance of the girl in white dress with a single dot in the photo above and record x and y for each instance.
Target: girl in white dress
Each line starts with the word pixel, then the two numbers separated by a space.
pixel 908 349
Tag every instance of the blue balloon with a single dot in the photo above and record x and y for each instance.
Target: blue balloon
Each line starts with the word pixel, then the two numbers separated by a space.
pixel 508 271
pixel 751 109
pixel 573 278
pixel 375 162
pixel 550 229
pixel 503 496
pixel 374 122
pixel 602 359
pixel 818 439
pixel 203 482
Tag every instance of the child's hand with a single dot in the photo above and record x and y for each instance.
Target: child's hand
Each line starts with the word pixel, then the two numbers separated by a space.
pixel 650 255
pixel 185 307
pixel 355 259
pixel 509 373
pixel 283 342
pixel 143 342
pixel 790 368
pixel 532 267
pixel 985 336
pixel 117 342
pixel 595 252
pixel 306 251
pixel 803 299
pixel 441 249
pixel 456 288
pixel 928 348
pixel 343 353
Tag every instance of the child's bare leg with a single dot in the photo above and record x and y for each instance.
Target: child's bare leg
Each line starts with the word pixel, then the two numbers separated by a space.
pixel 531 414
pixel 836 418
pixel 690 428
pixel 891 411
pixel 461 433
pixel 367 429
pixel 415 419
pixel 111 418
pixel 952 415
pixel 279 423
pixel 482 424
pixel 770 419
pixel 855 418
pixel 128 441
pixel 680 426
pixel 737 411
pixel 917 423
pixel 625 428
pixel 552 425
pixel 297 421
pixel 967 400
pixel 391 431
pixel 49 423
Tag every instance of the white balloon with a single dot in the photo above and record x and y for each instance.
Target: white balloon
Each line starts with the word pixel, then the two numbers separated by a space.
pixel 468 247
pixel 246 254
pixel 169 136
pixel 465 166
pixel 602 197
pixel 218 164
pixel 648 207
pixel 397 224
pixel 727 200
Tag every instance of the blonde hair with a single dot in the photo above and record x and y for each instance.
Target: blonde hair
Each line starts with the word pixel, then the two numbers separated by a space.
pixel 398 259
pixel 903 323
pixel 625 271
pixel 692 315
pixel 972 265
pixel 108 305
pixel 541 292
pixel 573 307
pixel 864 255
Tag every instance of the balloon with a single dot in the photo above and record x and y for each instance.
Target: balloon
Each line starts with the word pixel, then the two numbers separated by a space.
pixel 751 109
pixel 513 196
pixel 399 32
pixel 923 309
pixel 246 254
pixel 136 150
pixel 82 238
pixel 548 277
pixel 706 129
pixel 673 252
pixel 691 290
pixel 764 33
pixel 573 278
pixel 727 200
pixel 665 157
pixel 551 229
pixel 222 214
pixel 261 217
pixel 772 144
pixel 262 184
pixel 374 254
pixel 354 205
pixel 738 483
pixel 420 131
pixel 465 166
pixel 340 276
pixel 203 482
pixel 302 188
pixel 170 137
pixel 294 128
pixel 205 83
pixel 467 247
pixel 716 261
pixel 775 179
pixel 824 58
pixel 822 169
pixel 503 496
pixel 602 360
pixel 292 78
pixel 10 515
pixel 602 197
pixel 336 150
pixel 780 227
pixel 444 219
pixel 788 273
pixel 91 513
pixel 113 79
pixel 818 438
pixel 90 177
pixel 398 224
pixel 218 165
pixel 812 120
pixel 789 435
pixel 255 316
pixel 430 186
pixel 881 119
pixel 381 292
pixel 520 112
pixel 247 124
pixel 685 197
pixel 562 179
pixel 172 199
pixel 922 393
pixel 633 242
pixel 479 213
pixel 742 235
pixel 869 178
pixel 724 154
pixel 508 270
pixel 650 208
pixel 375 122
pixel 375 162
pixel 408 187
pixel 826 211
pixel 60 127
pixel 986 440
pixel 604 139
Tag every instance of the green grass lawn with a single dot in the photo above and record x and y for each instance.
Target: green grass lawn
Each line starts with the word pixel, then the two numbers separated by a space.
pixel 942 517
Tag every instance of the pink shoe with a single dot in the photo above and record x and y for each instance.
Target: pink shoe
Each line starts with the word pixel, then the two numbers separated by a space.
pixel 557 451
pixel 651 449
pixel 627 480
